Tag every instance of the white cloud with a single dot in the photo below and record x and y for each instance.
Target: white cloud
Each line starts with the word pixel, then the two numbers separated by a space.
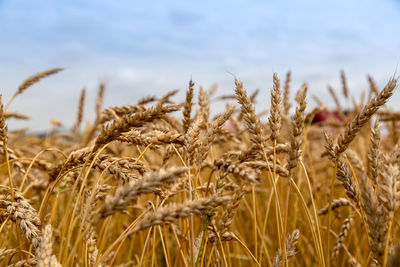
pixel 142 48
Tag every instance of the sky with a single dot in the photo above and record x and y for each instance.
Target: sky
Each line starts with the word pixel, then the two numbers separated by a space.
pixel 140 48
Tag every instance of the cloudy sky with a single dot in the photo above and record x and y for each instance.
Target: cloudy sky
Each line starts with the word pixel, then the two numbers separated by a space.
pixel 148 47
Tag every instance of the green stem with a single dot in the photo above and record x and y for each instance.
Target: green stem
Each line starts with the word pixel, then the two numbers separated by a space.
pixel 203 238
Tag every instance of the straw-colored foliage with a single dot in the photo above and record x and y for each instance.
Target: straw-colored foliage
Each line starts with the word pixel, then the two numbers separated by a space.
pixel 170 183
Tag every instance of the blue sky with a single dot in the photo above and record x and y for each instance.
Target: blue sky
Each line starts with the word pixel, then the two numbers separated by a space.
pixel 149 47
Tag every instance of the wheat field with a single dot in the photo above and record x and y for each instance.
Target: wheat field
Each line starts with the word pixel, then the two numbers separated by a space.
pixel 163 182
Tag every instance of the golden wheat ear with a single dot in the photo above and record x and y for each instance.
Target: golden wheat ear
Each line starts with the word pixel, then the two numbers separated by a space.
pixel 354 127
pixel 31 81
pixel 80 111
pixel 286 93
pixel 276 109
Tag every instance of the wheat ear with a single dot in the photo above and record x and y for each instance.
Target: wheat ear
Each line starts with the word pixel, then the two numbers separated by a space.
pixel 363 117
pixel 275 112
pixel 286 93
pixel 32 80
